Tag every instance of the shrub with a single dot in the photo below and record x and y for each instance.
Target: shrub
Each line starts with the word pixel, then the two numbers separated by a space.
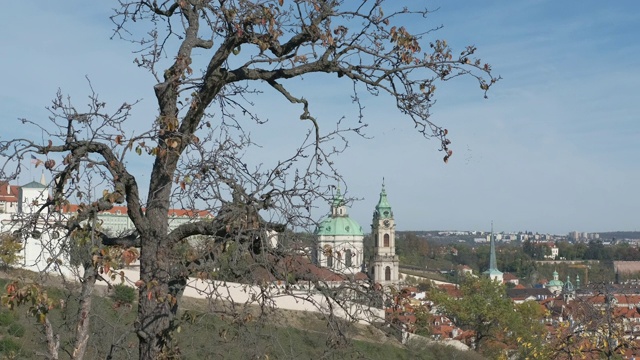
pixel 8 345
pixel 123 294
pixel 6 318
pixel 16 330
pixel 10 247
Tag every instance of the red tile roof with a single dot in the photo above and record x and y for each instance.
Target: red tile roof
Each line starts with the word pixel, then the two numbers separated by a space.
pixel 621 300
pixel 509 276
pixel 451 290
pixel 627 313
pixel 8 192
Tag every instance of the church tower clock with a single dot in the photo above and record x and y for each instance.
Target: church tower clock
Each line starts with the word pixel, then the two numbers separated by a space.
pixel 385 264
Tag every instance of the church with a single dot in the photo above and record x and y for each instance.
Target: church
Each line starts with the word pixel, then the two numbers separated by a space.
pixel 340 242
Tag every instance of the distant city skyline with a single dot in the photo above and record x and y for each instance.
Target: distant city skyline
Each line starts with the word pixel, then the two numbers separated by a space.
pixel 554 149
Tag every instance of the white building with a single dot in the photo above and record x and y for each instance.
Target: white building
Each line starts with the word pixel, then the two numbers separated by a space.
pixel 555 252
pixel 340 240
pixel 384 268
pixel 32 195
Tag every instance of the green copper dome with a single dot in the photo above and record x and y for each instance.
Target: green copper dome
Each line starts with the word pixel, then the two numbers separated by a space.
pixel 336 226
pixel 338 222
pixel 568 286
pixel 555 281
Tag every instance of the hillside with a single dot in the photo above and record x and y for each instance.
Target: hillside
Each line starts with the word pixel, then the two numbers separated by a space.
pixel 206 332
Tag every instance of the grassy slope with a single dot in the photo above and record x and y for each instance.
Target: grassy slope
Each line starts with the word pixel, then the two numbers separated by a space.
pixel 207 335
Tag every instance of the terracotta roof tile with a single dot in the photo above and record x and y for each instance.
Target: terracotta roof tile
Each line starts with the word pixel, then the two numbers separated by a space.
pixel 509 276
pixel 8 192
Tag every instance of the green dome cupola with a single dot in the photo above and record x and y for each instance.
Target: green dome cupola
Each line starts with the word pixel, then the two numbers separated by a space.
pixel 338 223
pixel 556 281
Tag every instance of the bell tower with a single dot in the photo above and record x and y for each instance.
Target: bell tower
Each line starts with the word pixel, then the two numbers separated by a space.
pixel 385 264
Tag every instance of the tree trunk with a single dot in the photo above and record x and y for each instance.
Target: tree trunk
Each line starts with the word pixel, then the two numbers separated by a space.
pixel 158 300
pixel 84 311
pixel 53 341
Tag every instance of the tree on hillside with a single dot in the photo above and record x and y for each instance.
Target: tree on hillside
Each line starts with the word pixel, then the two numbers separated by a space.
pixel 468 255
pixel 484 308
pixel 413 250
pixel 512 259
pixel 527 332
pixel 209 59
pixel 536 251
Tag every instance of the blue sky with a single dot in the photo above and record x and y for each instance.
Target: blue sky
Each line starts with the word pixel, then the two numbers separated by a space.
pixel 555 148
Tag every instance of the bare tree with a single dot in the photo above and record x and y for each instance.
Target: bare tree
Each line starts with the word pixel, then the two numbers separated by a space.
pixel 209 58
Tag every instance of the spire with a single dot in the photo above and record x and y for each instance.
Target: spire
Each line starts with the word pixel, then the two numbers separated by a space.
pixel 42 179
pixel 493 263
pixel 493 271
pixel 383 209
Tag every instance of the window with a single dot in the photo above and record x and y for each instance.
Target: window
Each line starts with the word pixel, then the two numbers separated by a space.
pixel 387 274
pixel 386 240
pixel 347 258
pixel 377 244
pixel 330 261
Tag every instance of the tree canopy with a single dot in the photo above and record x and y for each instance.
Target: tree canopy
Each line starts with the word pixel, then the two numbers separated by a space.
pixel 497 322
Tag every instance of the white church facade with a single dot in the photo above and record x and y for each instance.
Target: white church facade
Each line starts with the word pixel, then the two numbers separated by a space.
pixel 341 242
